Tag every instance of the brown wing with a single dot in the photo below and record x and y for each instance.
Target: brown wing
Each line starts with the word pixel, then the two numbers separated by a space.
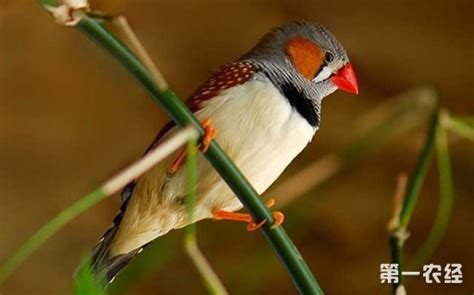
pixel 227 76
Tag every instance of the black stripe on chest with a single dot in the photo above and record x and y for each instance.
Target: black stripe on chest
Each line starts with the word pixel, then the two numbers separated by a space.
pixel 298 101
pixel 295 97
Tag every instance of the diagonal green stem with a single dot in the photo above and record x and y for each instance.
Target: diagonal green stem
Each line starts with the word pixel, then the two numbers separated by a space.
pixel 461 127
pixel 411 196
pixel 281 243
pixel 445 202
pixel 416 181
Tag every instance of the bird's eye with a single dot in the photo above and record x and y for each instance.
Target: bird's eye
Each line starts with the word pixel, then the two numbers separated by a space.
pixel 329 57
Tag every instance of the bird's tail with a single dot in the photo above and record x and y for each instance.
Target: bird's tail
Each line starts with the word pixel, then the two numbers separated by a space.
pixel 104 265
pixel 107 266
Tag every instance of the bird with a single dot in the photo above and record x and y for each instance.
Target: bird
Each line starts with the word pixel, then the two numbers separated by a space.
pixel 263 109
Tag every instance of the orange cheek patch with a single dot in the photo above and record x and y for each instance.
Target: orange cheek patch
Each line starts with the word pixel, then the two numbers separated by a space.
pixel 306 57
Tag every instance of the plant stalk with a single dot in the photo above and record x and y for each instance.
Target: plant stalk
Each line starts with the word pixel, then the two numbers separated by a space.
pixel 445 203
pixel 398 232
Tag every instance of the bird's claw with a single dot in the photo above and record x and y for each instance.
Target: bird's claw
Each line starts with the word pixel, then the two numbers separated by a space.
pixel 209 134
pixel 277 215
pixel 251 224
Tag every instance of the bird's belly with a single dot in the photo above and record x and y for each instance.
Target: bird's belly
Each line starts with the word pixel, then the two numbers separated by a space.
pixel 261 133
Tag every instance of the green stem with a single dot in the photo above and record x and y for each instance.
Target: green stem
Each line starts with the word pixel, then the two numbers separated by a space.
pixel 48 230
pixel 445 202
pixel 415 183
pixel 277 237
pixel 208 275
pixel 396 244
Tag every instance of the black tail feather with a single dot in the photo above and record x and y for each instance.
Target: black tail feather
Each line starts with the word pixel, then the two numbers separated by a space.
pixel 103 264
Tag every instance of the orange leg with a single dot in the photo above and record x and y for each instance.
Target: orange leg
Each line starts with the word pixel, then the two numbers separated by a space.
pixel 178 162
pixel 209 134
pixel 251 224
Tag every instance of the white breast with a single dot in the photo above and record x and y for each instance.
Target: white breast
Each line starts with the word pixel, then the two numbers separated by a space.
pixel 259 130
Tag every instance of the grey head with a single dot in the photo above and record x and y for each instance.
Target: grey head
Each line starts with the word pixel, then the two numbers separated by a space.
pixel 306 63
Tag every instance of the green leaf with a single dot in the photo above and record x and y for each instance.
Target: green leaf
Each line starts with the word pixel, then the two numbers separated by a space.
pixel 85 283
pixel 462 126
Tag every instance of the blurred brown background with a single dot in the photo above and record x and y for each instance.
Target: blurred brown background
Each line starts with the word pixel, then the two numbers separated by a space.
pixel 70 117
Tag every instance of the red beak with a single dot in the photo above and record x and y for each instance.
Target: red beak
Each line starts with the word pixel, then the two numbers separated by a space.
pixel 345 79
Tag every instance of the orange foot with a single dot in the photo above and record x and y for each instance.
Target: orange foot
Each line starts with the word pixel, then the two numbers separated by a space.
pixel 209 134
pixel 251 224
